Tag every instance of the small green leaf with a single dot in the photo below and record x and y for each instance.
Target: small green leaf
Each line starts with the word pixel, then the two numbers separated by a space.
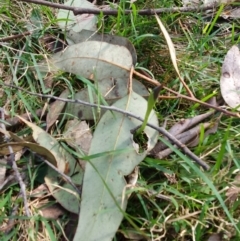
pixel 151 102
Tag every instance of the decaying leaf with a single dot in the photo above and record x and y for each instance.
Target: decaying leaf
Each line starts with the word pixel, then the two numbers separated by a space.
pixel 132 234
pixel 233 191
pixel 53 211
pixel 172 52
pixel 215 237
pixel 229 82
pixel 56 109
pixel 64 193
pixel 17 146
pixel 232 194
pixel 102 209
pixel 40 191
pixel 232 13
pixel 4 150
pixel 78 135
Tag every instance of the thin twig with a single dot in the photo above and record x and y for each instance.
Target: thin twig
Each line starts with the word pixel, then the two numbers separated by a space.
pixel 77 11
pixel 178 95
pixel 112 108
pixel 16 36
pixel 16 171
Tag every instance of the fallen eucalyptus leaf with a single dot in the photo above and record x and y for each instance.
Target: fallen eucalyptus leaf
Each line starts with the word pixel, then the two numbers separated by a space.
pixel 87 35
pixel 17 146
pixel 102 209
pixel 229 82
pixel 94 60
pixel 35 22
pixel 78 135
pixel 63 192
pixel 4 150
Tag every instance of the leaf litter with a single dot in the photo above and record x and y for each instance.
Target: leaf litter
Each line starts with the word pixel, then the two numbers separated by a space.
pixel 108 64
pixel 64 193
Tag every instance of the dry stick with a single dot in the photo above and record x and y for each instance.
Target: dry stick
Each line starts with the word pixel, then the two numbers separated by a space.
pixel 178 95
pixel 77 11
pixel 184 138
pixel 9 38
pixel 16 171
pixel 181 127
pixel 112 108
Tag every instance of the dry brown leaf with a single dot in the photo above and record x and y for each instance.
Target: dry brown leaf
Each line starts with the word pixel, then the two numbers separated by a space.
pixel 215 237
pixel 171 177
pixel 232 194
pixel 131 234
pixel 234 190
pixel 56 109
pixel 52 212
pixel 172 53
pixel 132 178
pixel 78 135
pixel 40 191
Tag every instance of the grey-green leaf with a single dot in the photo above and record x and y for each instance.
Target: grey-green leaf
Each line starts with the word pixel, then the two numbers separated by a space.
pixel 87 35
pixel 64 193
pixel 95 60
pixel 103 195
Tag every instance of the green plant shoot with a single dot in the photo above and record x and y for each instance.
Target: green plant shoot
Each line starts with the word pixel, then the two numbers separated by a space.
pixel 151 102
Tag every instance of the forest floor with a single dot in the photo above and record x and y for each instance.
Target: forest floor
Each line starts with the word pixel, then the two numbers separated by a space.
pixel 174 198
